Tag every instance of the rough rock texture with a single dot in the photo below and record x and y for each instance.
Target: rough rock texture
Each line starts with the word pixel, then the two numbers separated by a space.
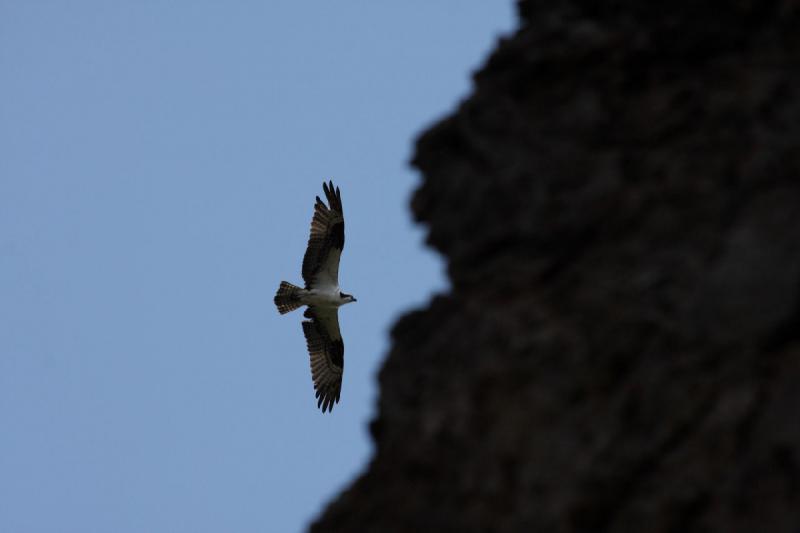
pixel 619 206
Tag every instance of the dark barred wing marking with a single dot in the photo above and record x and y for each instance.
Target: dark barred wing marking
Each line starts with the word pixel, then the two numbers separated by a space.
pixel 326 349
pixel 325 244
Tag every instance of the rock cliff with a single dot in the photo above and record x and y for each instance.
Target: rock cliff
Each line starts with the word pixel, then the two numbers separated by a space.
pixel 618 204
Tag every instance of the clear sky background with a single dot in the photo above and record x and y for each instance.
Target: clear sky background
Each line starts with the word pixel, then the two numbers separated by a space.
pixel 158 167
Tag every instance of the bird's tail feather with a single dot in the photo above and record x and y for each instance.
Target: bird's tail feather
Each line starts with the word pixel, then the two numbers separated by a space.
pixel 288 297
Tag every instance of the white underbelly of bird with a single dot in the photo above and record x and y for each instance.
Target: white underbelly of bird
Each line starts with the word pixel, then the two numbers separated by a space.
pixel 322 297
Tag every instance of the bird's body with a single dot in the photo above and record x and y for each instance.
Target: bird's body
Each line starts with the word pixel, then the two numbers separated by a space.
pixel 323 297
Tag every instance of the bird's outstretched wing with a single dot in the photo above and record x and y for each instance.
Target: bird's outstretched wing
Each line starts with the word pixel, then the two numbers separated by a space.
pixel 326 349
pixel 325 244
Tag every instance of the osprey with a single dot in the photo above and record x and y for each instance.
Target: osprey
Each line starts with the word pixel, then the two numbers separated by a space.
pixel 322 296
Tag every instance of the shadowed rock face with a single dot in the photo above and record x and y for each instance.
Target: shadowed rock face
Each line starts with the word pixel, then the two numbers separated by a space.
pixel 619 206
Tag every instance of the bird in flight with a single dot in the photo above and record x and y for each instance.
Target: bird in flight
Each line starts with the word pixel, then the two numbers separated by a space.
pixel 322 296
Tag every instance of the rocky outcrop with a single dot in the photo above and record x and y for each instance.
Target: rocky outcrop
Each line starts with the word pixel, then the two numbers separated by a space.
pixel 618 203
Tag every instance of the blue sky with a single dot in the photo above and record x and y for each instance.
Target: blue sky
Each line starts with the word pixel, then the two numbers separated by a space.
pixel 158 166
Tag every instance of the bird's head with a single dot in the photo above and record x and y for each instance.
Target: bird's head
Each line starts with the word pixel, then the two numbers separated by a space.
pixel 346 298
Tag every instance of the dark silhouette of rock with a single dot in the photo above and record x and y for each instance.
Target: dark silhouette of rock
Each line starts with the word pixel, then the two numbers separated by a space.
pixel 618 203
